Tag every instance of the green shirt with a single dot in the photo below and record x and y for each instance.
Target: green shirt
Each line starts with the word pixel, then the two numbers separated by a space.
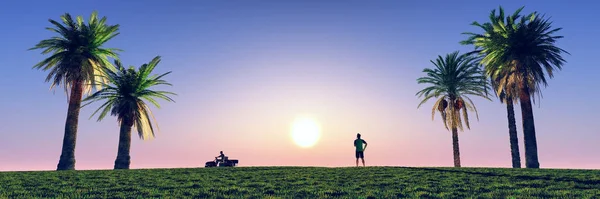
pixel 358 143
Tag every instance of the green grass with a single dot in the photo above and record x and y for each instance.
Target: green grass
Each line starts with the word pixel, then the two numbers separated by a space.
pixel 303 182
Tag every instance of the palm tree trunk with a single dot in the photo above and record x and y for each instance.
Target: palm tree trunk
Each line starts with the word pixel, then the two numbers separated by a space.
pixel 67 156
pixel 123 159
pixel 455 148
pixel 531 156
pixel 512 134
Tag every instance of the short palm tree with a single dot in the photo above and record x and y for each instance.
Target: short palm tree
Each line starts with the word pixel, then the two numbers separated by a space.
pixel 453 79
pixel 523 49
pixel 77 56
pixel 124 97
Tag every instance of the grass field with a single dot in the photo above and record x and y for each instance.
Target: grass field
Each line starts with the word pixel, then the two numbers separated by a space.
pixel 303 182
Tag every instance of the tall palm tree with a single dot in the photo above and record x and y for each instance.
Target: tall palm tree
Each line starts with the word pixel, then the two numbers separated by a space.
pixel 508 94
pixel 77 56
pixel 523 49
pixel 125 94
pixel 453 79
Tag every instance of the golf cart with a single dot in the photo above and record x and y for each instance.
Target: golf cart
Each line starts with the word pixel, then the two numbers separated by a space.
pixel 226 162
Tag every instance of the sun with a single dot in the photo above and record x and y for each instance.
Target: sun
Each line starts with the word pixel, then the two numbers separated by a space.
pixel 305 132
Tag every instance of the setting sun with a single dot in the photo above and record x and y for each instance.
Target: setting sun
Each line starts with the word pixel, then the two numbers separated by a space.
pixel 305 132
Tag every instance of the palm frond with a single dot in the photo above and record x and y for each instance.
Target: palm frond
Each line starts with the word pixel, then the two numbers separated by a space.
pixel 454 76
pixel 126 92
pixel 77 53
pixel 518 52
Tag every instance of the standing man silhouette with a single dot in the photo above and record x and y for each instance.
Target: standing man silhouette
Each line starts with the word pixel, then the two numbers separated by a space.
pixel 358 144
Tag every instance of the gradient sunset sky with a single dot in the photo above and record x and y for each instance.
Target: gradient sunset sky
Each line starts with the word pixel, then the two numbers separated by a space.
pixel 244 70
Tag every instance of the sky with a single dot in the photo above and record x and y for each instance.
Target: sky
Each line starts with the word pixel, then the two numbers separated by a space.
pixel 244 70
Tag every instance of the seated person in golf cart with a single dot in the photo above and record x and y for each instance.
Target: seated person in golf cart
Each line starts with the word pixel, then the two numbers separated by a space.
pixel 222 157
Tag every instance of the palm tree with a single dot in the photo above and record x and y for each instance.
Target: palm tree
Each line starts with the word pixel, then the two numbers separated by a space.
pixel 521 48
pixel 512 126
pixel 451 82
pixel 508 95
pixel 509 100
pixel 125 94
pixel 77 56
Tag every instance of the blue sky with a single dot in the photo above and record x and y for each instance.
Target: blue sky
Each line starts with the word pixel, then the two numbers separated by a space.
pixel 242 69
